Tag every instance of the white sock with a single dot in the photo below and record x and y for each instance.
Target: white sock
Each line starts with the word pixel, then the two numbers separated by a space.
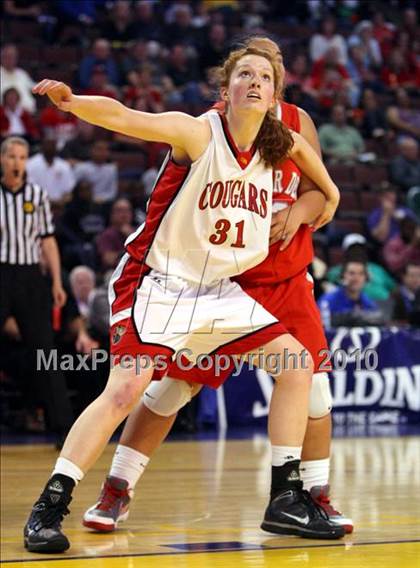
pixel 66 467
pixel 315 472
pixel 128 464
pixel 283 454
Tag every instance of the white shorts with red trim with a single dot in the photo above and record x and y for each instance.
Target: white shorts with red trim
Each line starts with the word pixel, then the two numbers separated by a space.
pixel 171 314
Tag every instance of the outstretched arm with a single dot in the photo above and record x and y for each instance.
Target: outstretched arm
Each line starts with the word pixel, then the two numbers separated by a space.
pixel 174 128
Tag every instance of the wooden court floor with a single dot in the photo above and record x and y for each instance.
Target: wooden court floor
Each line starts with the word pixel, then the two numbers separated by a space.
pixel 200 503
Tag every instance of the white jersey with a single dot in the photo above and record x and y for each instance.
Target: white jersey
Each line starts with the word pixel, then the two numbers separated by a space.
pixel 210 220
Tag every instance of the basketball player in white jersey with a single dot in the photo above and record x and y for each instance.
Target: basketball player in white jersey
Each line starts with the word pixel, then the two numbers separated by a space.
pixel 208 219
pixel 280 283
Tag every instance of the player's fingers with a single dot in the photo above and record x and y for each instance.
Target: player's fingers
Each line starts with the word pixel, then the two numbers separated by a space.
pixel 287 238
pixel 39 86
pixel 46 86
pixel 317 223
pixel 321 221
pixel 276 218
pixel 275 234
pixel 277 228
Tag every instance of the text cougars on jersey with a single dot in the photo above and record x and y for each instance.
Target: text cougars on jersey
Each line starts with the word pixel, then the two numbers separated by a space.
pixel 234 193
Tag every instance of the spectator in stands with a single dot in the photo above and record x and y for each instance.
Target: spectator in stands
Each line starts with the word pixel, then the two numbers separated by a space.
pixel 349 304
pixel 58 125
pixel 110 243
pixel 74 337
pixel 100 55
pixel 380 284
pixel 13 76
pixel 330 79
pixel 98 318
pixel 326 38
pixel 180 30
pixel 360 74
pixel 340 142
pixel 295 96
pixel 399 71
pixel 78 148
pixel 213 49
pixel 368 44
pixel 404 119
pixel 99 84
pixel 100 172
pixel 80 222
pixel 405 247
pixel 180 68
pixel 74 332
pixel 383 32
pixel 119 28
pixel 407 47
pixel 148 26
pixel 51 172
pixel 140 84
pixel 81 12
pixel 144 54
pixel 29 10
pixel 298 74
pixel 14 119
pixel 383 222
pixel 373 119
pixel 410 23
pixel 82 283
pixel 407 294
pixel 404 169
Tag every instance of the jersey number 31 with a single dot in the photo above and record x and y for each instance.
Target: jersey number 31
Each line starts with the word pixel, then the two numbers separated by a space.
pixel 222 227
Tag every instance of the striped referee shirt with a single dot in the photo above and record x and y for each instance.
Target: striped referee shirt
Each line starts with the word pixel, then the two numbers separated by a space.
pixel 25 218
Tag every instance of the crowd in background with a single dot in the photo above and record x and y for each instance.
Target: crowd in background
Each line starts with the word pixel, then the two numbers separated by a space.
pixel 354 66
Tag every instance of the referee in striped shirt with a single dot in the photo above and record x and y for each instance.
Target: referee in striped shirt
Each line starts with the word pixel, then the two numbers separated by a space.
pixel 27 229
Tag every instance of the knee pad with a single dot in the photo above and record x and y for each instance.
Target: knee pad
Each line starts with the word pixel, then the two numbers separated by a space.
pixel 320 398
pixel 167 396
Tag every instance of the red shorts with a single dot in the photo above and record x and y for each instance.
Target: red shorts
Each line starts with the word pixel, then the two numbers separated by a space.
pixel 292 302
pixel 157 319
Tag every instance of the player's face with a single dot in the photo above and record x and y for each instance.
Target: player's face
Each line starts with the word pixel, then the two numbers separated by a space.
pixel 251 85
pixel 13 161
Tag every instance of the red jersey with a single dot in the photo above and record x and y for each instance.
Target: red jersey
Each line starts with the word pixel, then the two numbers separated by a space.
pixel 282 265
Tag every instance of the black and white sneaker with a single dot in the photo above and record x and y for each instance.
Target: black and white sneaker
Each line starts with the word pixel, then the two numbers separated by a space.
pixel 294 512
pixel 42 532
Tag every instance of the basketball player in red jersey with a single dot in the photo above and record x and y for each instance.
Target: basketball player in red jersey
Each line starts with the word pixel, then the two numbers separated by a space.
pixel 174 283
pixel 280 283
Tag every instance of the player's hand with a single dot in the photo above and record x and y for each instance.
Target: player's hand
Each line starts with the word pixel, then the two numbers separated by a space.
pixel 328 214
pixel 59 295
pixel 284 226
pixel 59 93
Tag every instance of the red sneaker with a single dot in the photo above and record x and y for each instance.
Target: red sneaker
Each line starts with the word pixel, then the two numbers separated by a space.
pixel 111 508
pixel 321 495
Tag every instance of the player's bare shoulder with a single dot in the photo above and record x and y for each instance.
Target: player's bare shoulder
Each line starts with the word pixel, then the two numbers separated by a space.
pixel 203 138
pixel 196 143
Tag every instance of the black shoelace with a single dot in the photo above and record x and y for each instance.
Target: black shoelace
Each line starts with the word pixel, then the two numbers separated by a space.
pixel 51 515
pixel 313 505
